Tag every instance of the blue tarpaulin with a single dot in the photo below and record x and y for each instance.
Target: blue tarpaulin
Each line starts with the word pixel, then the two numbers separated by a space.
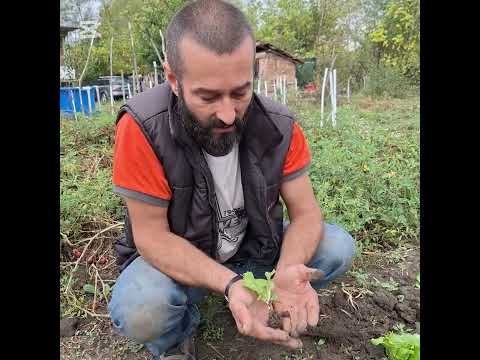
pixel 67 94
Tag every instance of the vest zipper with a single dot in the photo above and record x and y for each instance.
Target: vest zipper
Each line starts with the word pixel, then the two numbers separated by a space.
pixel 208 176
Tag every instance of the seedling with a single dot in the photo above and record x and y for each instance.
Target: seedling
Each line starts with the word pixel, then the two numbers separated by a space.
pixel 417 282
pixel 263 288
pixel 401 345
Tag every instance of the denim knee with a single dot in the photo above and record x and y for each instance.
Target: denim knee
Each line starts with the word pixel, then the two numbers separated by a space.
pixel 334 254
pixel 146 304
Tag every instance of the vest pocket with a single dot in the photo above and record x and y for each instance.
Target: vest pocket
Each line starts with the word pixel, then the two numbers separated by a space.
pixel 178 209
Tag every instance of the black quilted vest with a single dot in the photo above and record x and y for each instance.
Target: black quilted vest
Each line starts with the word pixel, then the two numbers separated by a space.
pixel 191 214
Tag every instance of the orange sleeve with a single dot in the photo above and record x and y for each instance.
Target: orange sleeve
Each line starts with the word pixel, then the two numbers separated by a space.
pixel 298 156
pixel 137 172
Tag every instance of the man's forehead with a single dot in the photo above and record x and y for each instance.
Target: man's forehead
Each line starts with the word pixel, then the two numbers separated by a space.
pixel 202 67
pixel 192 52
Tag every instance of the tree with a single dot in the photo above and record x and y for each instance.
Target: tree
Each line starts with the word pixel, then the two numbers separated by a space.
pixel 398 37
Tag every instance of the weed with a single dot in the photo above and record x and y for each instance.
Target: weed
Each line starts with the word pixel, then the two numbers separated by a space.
pixel 212 333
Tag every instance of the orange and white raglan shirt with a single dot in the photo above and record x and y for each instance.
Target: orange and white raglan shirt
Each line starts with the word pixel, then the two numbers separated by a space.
pixel 138 174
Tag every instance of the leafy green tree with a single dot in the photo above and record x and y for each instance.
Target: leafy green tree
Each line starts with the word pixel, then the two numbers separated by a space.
pixel 398 36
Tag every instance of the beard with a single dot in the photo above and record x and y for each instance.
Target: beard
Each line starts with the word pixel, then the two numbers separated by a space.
pixel 213 144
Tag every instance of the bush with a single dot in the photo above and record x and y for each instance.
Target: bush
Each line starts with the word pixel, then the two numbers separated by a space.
pixel 385 81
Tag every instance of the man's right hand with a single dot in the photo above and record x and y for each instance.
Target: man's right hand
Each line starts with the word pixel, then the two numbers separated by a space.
pixel 251 317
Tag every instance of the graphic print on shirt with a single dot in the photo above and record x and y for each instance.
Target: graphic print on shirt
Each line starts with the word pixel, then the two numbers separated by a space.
pixel 231 224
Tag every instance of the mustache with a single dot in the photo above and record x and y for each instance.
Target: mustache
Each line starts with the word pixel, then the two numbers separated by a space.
pixel 216 123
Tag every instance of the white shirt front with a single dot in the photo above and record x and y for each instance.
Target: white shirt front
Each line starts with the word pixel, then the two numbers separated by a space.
pixel 231 215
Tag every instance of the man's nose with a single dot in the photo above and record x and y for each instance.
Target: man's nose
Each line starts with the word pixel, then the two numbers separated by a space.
pixel 226 111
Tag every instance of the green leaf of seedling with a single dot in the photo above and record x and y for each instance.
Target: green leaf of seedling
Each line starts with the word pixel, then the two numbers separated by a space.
pixel 402 346
pixel 106 291
pixel 263 288
pixel 89 289
pixel 269 275
pixel 417 283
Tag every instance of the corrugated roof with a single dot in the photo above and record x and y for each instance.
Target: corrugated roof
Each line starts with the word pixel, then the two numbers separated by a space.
pixel 266 47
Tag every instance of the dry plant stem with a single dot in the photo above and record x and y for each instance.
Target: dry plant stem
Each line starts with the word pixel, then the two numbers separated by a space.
pixel 101 281
pixel 84 251
pixel 95 292
pixel 91 313
pixel 65 238
pixel 163 45
pixel 218 352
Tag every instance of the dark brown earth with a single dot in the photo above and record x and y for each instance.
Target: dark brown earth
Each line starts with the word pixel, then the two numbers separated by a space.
pixel 378 294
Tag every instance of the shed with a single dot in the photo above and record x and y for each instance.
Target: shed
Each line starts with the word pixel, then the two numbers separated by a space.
pixel 272 63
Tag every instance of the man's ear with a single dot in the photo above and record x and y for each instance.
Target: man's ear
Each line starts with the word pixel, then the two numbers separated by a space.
pixel 171 78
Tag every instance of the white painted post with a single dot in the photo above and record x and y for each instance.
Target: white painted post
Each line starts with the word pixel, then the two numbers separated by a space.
pixel 129 91
pixel 150 83
pixel 331 92
pixel 81 100
pixel 348 90
pixel 73 106
pixel 123 88
pixel 111 96
pixel 284 90
pixel 258 85
pixel 364 82
pixel 296 87
pixel 98 97
pixel 323 96
pixel 334 118
pixel 266 88
pixel 89 101
pixel 156 75
pixel 275 90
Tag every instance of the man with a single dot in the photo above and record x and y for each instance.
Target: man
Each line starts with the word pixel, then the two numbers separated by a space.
pixel 201 162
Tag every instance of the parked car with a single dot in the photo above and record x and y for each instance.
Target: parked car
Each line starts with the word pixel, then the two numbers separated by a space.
pixel 103 83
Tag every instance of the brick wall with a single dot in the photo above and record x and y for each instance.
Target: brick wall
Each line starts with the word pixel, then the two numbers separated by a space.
pixel 271 66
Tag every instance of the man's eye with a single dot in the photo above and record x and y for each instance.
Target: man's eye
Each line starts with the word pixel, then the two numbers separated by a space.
pixel 208 99
pixel 239 95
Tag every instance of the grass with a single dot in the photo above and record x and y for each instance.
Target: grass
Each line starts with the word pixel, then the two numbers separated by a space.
pixel 87 206
pixel 365 171
pixel 365 175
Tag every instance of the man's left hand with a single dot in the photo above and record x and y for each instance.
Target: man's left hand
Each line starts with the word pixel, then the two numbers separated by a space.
pixel 296 296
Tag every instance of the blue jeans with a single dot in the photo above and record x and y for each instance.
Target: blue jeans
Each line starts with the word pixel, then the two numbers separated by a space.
pixel 151 308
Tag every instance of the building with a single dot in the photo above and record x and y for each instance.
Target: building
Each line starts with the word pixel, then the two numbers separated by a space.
pixel 64 30
pixel 272 63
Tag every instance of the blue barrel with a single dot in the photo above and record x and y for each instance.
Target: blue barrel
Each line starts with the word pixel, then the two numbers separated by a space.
pixel 71 95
